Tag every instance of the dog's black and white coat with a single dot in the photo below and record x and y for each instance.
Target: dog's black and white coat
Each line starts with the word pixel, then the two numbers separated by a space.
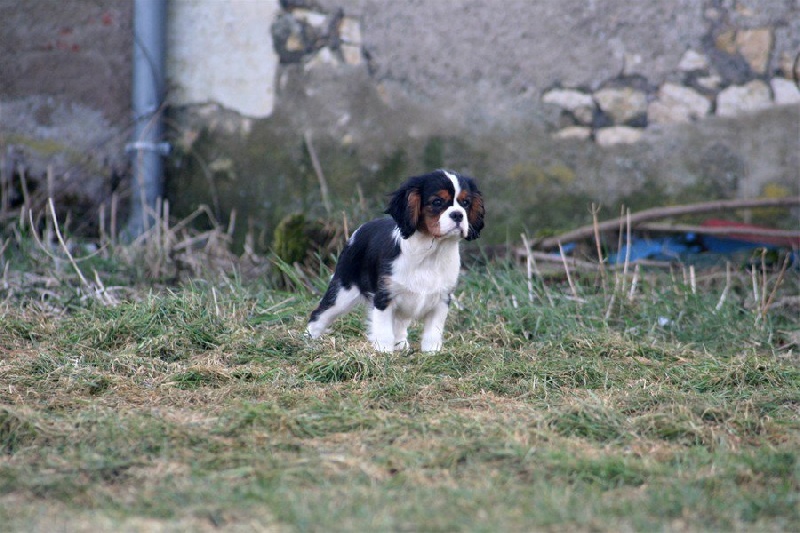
pixel 406 267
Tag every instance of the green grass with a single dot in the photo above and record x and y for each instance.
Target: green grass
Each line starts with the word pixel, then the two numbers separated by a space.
pixel 198 407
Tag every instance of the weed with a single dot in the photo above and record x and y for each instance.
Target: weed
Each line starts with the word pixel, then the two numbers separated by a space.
pixel 347 366
pixel 15 431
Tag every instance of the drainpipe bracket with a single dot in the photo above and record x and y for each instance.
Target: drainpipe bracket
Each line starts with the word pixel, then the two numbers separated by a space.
pixel 139 146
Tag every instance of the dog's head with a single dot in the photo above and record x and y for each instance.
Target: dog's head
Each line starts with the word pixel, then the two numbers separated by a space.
pixel 442 204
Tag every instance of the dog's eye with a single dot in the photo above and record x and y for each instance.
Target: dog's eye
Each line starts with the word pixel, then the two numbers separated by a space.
pixel 465 202
pixel 437 202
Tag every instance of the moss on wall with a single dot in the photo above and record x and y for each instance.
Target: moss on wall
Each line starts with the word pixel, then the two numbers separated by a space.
pixel 43 147
pixel 266 174
pixel 531 183
pixel 290 241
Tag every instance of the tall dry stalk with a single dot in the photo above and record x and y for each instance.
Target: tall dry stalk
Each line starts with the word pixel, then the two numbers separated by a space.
pixel 600 259
pixel 765 305
pixel 571 283
pixel 528 267
pixel 323 183
pixel 724 296
pixel 532 270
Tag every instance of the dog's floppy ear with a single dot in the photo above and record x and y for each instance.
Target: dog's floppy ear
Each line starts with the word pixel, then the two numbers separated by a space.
pixel 405 207
pixel 475 215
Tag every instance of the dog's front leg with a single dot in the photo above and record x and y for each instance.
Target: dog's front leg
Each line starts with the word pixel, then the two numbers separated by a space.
pixel 400 328
pixel 434 328
pixel 382 329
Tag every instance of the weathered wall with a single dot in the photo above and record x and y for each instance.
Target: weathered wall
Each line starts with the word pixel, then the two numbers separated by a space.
pixel 217 54
pixel 65 74
pixel 551 104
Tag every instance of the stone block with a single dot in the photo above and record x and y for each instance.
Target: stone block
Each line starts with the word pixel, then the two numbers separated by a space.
pixel 785 91
pixel 350 31
pixel 351 54
pixel 710 82
pixel 787 65
pixel 743 99
pixel 692 61
pixel 574 132
pixel 212 59
pixel 314 19
pixel 580 104
pixel 324 56
pixel 618 135
pixel 726 42
pixel 569 99
pixel 621 104
pixel 677 103
pixel 755 46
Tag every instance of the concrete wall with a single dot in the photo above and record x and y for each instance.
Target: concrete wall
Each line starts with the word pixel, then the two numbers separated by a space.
pixel 74 51
pixel 551 104
pixel 65 70
pixel 222 52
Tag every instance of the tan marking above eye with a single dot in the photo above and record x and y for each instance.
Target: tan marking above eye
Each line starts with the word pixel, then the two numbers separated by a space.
pixel 443 195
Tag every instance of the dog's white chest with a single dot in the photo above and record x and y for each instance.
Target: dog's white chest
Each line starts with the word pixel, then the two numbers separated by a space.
pixel 414 305
pixel 424 277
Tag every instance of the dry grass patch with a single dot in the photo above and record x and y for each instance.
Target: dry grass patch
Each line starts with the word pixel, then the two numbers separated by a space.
pixel 202 406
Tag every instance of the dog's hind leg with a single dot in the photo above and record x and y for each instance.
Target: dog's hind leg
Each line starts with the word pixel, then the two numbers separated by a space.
pixel 336 302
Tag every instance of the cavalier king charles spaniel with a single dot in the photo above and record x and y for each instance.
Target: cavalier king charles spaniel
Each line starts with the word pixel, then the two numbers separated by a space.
pixel 406 267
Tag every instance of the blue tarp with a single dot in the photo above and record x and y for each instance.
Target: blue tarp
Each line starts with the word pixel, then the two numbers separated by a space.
pixel 684 247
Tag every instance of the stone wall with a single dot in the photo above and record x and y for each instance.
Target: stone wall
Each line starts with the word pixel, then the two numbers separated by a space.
pixel 552 105
pixel 668 102
pixel 740 67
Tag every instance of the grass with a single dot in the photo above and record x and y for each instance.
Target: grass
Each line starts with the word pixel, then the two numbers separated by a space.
pixel 203 406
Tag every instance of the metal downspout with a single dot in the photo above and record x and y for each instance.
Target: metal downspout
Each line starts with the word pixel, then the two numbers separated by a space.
pixel 147 146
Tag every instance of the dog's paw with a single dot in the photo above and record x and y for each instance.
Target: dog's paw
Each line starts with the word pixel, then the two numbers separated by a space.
pixel 314 331
pixel 431 345
pixel 383 346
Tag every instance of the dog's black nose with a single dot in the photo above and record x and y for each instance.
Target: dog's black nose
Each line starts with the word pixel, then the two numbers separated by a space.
pixel 457 216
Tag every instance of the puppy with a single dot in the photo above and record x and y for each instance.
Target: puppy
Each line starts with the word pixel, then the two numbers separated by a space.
pixel 406 267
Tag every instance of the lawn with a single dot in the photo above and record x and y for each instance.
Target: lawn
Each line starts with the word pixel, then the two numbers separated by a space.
pixel 671 404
